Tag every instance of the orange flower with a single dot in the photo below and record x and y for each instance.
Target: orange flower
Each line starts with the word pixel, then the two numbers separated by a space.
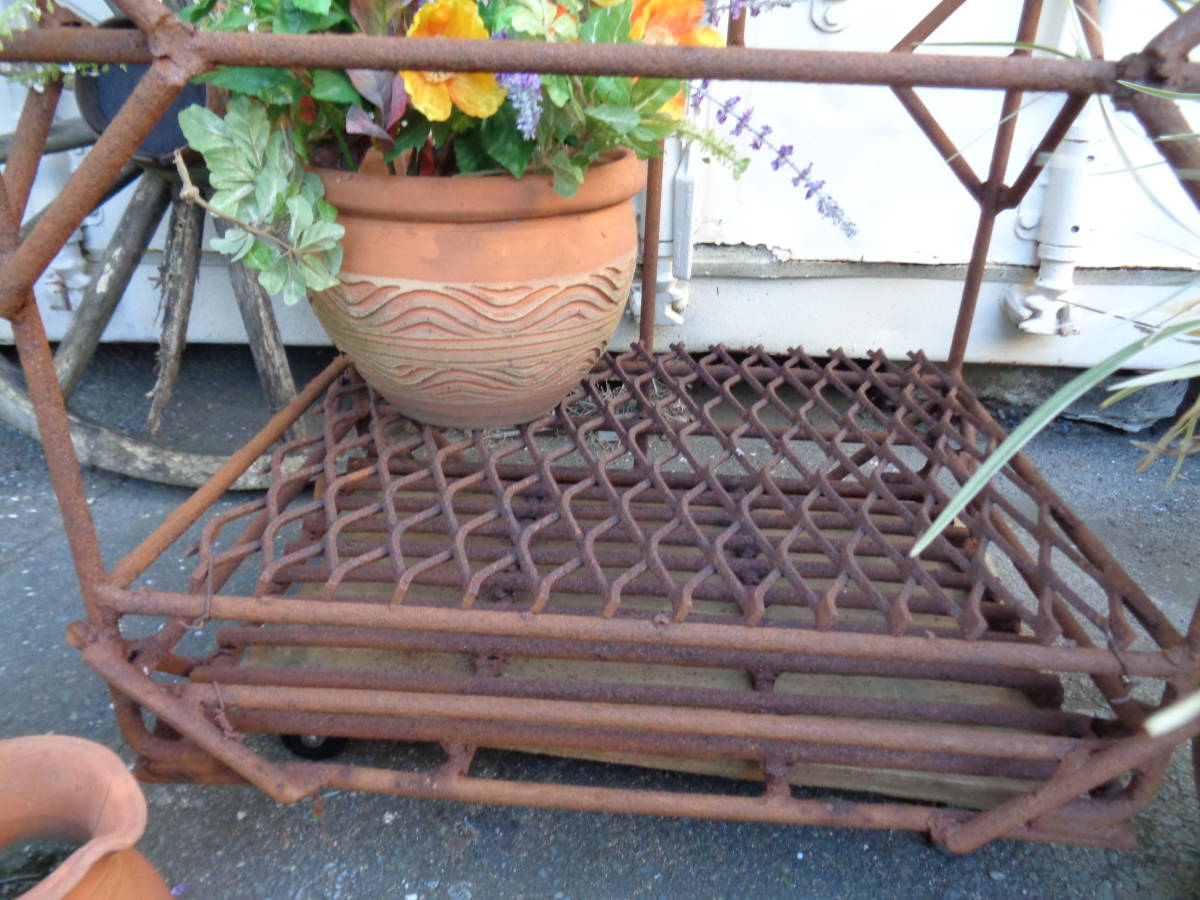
pixel 672 23
pixel 435 93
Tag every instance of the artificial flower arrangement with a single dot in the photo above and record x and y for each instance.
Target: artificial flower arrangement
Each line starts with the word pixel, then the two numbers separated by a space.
pixel 278 123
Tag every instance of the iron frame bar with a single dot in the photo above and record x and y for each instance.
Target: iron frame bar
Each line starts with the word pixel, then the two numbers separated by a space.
pixel 177 52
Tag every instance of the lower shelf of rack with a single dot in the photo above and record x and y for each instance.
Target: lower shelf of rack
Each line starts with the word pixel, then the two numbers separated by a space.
pixel 695 565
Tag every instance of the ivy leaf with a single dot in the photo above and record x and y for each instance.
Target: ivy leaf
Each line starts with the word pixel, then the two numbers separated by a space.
pixel 261 256
pixel 203 128
pixel 504 143
pixel 334 86
pixel 273 279
pixel 235 243
pixel 301 213
pixel 318 237
pixel 294 288
pixel 273 86
pixel 315 271
pixel 621 119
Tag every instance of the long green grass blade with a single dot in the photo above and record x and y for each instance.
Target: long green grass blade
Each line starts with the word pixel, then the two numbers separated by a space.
pixel 1016 45
pixel 1038 419
pixel 1178 373
pixel 1159 92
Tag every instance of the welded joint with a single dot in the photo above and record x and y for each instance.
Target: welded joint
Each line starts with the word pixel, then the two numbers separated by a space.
pixel 172 42
pixel 458 760
pixel 1147 67
pixel 776 771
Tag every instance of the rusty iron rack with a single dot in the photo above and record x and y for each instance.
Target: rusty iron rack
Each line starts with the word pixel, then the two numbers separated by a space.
pixel 695 563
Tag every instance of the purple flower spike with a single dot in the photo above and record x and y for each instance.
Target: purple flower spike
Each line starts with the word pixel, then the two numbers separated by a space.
pixel 525 92
pixel 743 122
pixel 760 138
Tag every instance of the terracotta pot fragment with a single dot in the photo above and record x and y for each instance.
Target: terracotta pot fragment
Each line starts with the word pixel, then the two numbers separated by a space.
pixel 66 788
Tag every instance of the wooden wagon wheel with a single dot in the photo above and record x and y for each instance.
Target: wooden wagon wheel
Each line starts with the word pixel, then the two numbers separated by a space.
pixel 155 195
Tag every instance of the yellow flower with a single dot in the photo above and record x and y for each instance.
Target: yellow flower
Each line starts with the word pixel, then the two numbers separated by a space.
pixel 434 93
pixel 672 23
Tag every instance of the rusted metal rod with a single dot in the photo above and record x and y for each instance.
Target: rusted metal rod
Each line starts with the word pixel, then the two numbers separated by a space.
pixel 149 100
pixel 780 809
pixel 1042 689
pixel 1075 780
pixel 587 742
pixel 63 45
pixel 650 230
pixel 286 610
pixel 182 517
pixel 37 117
pixel 1039 720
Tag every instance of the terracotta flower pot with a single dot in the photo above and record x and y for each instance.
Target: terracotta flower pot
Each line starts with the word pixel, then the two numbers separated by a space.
pixel 71 789
pixel 478 302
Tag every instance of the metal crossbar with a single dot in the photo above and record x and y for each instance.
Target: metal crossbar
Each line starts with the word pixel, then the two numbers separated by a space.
pixel 698 563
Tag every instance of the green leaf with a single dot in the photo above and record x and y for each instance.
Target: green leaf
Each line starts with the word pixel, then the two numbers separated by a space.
pixel 291 19
pixel 412 137
pixel 275 87
pixel 197 11
pixel 621 119
pixel 300 213
pixel 319 237
pixel 274 278
pixel 203 129
pixel 608 26
pixel 314 268
pixel 568 173
pixel 470 156
pixel 649 94
pixel 261 256
pixel 294 288
pixel 558 89
pixel 319 7
pixel 504 143
pixel 1038 419
pixel 235 243
pixel 333 85
pixel 610 89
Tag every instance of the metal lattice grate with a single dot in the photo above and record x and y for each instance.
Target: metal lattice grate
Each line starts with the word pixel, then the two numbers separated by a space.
pixel 722 490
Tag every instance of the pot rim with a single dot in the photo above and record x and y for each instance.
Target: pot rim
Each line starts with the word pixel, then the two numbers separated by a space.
pixel 483 198
pixel 110 814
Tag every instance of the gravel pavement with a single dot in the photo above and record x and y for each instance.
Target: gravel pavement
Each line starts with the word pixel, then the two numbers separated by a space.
pixel 238 843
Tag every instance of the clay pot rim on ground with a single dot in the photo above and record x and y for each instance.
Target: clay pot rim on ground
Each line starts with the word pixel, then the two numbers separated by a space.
pixel 43 794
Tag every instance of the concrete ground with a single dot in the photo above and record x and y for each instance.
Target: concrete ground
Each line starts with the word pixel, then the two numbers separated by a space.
pixel 236 842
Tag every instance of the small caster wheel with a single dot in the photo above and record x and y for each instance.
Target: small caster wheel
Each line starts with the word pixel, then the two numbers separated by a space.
pixel 313 746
